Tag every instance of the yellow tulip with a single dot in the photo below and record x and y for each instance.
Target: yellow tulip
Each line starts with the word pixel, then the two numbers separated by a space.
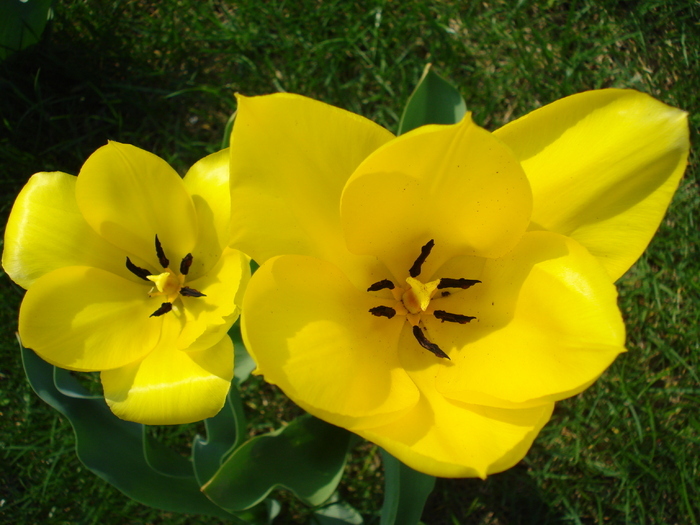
pixel 128 272
pixel 437 292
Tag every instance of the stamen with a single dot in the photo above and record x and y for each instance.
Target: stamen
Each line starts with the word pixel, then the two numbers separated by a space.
pixel 190 292
pixel 162 259
pixel 423 341
pixel 383 311
pixel 164 309
pixel 446 282
pixel 185 264
pixel 452 318
pixel 424 252
pixel 384 284
pixel 138 272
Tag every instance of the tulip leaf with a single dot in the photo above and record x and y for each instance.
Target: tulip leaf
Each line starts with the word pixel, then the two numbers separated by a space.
pixel 307 457
pixel 21 23
pixel 115 449
pixel 226 140
pixel 163 460
pixel 68 385
pixel 336 512
pixel 225 432
pixel 434 101
pixel 405 492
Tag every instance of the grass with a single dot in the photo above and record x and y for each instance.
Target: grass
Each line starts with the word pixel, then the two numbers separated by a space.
pixel 162 75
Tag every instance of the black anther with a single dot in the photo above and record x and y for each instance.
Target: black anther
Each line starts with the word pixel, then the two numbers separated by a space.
pixel 185 264
pixel 162 259
pixel 424 252
pixel 138 272
pixel 452 318
pixel 383 311
pixel 164 309
pixel 384 284
pixel 190 292
pixel 423 341
pixel 446 282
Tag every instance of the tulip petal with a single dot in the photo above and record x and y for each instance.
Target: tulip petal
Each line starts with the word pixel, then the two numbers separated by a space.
pixel 46 231
pixel 169 386
pixel 310 332
pixel 603 166
pixel 129 196
pixel 209 318
pixel 451 439
pixel 454 184
pixel 290 158
pixel 547 326
pixel 207 182
pixel 88 319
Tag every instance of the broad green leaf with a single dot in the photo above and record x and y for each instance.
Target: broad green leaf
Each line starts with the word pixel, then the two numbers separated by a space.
pixel 164 460
pixel 114 449
pixel 336 512
pixel 434 101
pixel 405 492
pixel 21 23
pixel 306 457
pixel 225 432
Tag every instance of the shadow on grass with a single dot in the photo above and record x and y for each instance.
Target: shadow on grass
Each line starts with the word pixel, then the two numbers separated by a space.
pixel 511 497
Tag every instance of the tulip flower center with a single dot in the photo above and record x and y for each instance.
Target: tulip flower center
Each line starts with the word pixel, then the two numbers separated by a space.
pixel 414 300
pixel 168 284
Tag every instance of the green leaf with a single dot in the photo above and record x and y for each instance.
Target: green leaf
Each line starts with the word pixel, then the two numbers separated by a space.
pixel 115 449
pixel 336 512
pixel 405 492
pixel 307 457
pixel 21 23
pixel 226 140
pixel 225 432
pixel 434 101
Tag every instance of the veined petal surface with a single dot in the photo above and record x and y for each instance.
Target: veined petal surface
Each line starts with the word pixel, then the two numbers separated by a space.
pixel 603 166
pixel 129 196
pixel 207 182
pixel 310 332
pixel 170 386
pixel 290 158
pixel 446 438
pixel 87 319
pixel 455 184
pixel 46 231
pixel 547 326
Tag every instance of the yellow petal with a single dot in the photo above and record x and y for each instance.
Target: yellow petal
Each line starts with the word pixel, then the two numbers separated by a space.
pixel 310 332
pixel 454 184
pixel 547 326
pixel 603 166
pixel 170 387
pixel 46 231
pixel 88 319
pixel 129 196
pixel 452 439
pixel 207 182
pixel 290 158
pixel 209 318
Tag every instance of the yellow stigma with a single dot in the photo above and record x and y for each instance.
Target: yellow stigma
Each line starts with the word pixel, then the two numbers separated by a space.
pixel 417 298
pixel 167 284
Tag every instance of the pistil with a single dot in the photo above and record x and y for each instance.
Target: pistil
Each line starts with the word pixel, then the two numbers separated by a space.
pixel 167 283
pixel 414 300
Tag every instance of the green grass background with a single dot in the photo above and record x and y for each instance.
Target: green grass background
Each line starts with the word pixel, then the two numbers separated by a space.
pixel 162 75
